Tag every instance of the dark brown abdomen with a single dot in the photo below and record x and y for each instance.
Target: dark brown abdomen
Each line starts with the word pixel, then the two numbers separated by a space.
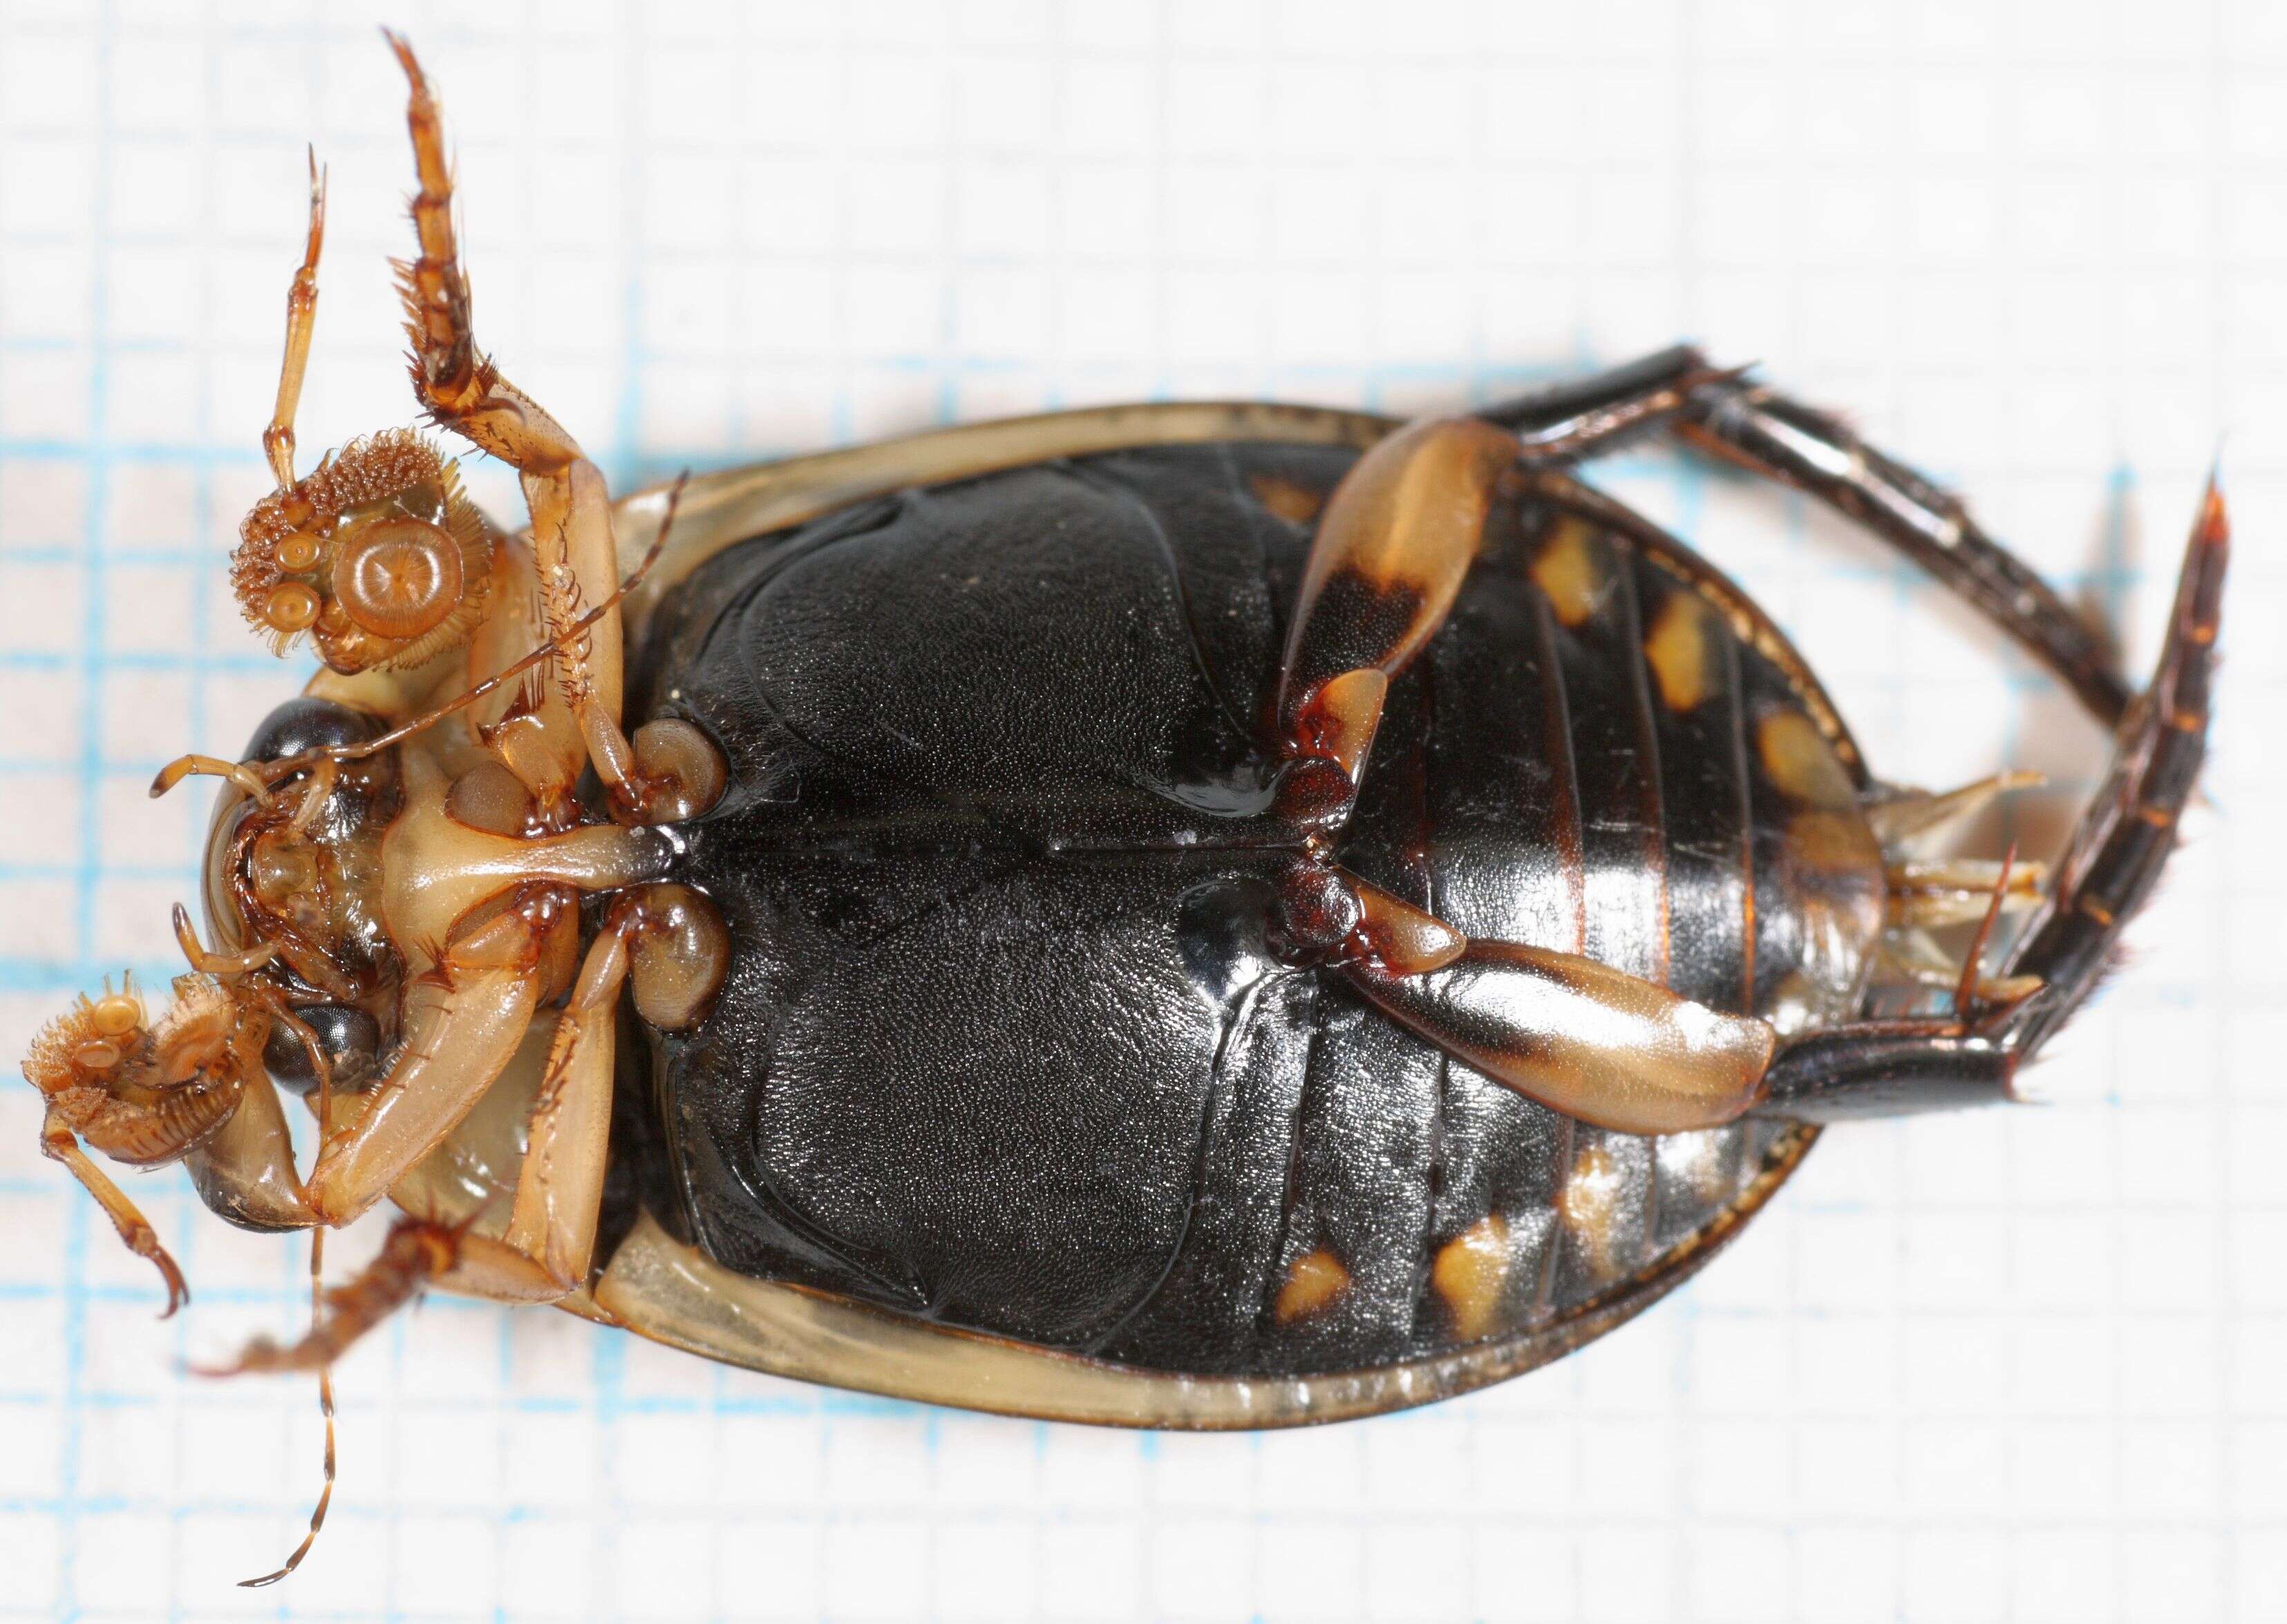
pixel 1591 757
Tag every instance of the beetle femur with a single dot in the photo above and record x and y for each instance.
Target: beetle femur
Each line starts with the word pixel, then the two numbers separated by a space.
pixel 376 555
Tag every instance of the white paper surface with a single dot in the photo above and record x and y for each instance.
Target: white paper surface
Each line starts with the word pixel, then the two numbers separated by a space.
pixel 2024 1365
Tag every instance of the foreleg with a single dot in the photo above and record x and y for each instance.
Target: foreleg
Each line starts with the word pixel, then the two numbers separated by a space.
pixel 575 556
pixel 58 1144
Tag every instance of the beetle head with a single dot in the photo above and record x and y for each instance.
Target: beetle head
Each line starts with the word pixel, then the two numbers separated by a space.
pixel 298 874
pixel 376 554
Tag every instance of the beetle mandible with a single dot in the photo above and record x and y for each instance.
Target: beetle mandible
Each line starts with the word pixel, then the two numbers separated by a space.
pixel 1192 915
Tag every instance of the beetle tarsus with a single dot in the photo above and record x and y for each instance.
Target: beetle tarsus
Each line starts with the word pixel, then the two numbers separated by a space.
pixel 2123 839
pixel 325 1412
pixel 1604 425
pixel 301 319
pixel 135 1231
pixel 1886 1068
pixel 2110 868
pixel 416 1251
pixel 1777 438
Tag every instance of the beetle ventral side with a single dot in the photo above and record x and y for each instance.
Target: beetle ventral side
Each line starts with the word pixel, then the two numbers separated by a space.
pixel 1215 915
pixel 1026 1035
pixel 1006 1043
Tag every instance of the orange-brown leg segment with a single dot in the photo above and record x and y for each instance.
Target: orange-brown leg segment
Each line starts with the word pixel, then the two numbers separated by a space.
pixel 462 1022
pixel 1396 538
pixel 551 1238
pixel 575 554
pixel 58 1144
pixel 1600 1046
pixel 415 1253
pixel 670 942
pixel 1398 535
pixel 665 748
pixel 245 1172
pixel 301 317
pixel 1392 548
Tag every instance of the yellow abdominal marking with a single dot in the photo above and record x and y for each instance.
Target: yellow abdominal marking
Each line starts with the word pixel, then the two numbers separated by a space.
pixel 1571 569
pixel 1297 504
pixel 1315 1281
pixel 1677 652
pixel 1470 1272
pixel 1834 843
pixel 1801 762
pixel 1590 1204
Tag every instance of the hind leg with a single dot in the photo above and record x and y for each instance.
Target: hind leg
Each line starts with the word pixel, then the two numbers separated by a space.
pixel 2123 840
pixel 2108 869
pixel 1768 433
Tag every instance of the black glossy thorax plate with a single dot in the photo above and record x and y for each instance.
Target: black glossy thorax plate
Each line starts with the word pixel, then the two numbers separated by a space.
pixel 1002 1046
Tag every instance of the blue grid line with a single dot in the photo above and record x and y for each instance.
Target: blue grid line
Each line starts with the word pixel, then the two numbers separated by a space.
pixel 93 638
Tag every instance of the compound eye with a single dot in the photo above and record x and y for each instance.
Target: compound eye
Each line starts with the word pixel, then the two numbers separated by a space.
pixel 398 578
pixel 349 1038
pixel 303 724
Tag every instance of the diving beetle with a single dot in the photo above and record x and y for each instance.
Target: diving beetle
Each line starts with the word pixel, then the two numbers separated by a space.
pixel 1181 916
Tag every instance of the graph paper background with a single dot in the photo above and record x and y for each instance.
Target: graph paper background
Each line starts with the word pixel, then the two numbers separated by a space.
pixel 2019 1365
